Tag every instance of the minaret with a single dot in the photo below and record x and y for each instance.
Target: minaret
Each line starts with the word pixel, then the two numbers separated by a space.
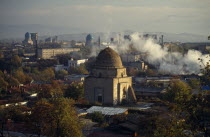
pixel 36 46
pixel 99 41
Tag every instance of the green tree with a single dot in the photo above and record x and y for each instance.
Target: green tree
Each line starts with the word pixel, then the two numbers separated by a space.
pixel 75 91
pixel 178 92
pixel 97 117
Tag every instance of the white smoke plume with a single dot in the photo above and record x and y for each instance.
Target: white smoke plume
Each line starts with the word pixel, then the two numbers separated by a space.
pixel 168 62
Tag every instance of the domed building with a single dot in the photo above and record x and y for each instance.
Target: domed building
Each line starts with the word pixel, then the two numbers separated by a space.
pixel 89 40
pixel 27 39
pixel 108 82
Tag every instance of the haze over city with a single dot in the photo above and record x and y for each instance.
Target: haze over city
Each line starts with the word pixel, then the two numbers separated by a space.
pixel 53 17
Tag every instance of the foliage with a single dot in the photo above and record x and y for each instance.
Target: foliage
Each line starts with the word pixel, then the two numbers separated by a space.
pixel 12 81
pixel 78 70
pixel 206 72
pixel 97 117
pixel 15 113
pixel 47 74
pixel 194 83
pixel 178 92
pixel 53 90
pixel 60 74
pixel 46 63
pixel 16 62
pixel 75 91
pixel 3 83
pixel 21 77
pixel 164 125
pixel 171 126
pixel 55 118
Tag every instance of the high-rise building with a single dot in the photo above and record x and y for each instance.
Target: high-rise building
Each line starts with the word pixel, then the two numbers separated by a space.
pixel 34 37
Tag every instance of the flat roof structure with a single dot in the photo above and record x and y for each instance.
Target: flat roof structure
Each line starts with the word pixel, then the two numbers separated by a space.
pixel 107 110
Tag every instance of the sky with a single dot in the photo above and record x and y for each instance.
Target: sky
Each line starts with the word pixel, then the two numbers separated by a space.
pixel 77 16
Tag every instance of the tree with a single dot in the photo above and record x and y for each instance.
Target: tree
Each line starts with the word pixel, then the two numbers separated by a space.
pixel 78 70
pixel 16 62
pixel 172 126
pixel 194 83
pixel 46 63
pixel 75 91
pixel 12 81
pixel 97 117
pixel 166 124
pixel 53 90
pixel 3 83
pixel 178 92
pixel 61 73
pixel 47 74
pixel 56 118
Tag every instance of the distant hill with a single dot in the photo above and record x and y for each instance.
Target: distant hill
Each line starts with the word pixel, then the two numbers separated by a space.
pixel 17 32
pixel 168 37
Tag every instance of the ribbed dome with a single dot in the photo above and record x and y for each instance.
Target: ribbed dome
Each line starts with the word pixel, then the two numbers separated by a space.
pixel 108 58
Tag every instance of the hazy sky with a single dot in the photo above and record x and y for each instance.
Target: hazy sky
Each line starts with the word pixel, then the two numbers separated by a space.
pixel 176 16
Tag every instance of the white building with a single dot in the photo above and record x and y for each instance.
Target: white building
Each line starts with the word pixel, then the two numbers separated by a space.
pixel 76 63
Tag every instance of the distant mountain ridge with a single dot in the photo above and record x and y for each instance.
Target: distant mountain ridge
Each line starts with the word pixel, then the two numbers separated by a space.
pixel 17 32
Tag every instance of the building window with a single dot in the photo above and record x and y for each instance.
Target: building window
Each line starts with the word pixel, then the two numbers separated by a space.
pixel 100 98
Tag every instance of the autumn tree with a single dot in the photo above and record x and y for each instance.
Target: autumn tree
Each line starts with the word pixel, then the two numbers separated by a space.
pixel 47 74
pixel 56 118
pixel 21 77
pixel 16 62
pixel 52 90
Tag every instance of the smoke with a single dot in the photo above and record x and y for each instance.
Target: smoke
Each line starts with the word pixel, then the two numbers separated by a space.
pixel 161 57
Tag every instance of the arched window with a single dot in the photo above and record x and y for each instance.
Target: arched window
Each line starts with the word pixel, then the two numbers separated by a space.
pixel 124 93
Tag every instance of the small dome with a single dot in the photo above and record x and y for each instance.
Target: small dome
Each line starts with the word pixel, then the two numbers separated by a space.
pixel 108 58
pixel 27 35
pixel 89 37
